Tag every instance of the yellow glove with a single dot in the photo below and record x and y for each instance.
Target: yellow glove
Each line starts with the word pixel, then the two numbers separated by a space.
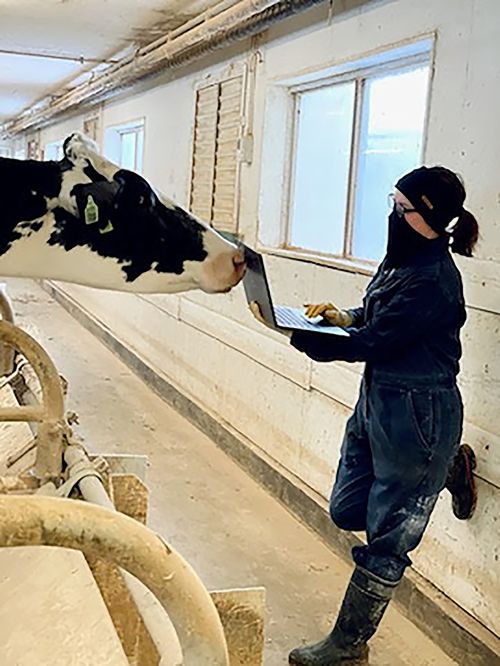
pixel 330 312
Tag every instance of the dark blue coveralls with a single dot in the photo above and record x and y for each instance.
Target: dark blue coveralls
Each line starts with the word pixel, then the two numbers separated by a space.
pixel 407 423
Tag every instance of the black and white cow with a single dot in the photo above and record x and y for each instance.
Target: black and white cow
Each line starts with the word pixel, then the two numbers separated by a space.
pixel 87 221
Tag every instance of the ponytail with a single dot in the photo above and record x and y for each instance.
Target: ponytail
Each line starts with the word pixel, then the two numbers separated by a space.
pixel 464 234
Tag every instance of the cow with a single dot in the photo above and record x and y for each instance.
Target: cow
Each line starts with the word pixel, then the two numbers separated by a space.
pixel 87 221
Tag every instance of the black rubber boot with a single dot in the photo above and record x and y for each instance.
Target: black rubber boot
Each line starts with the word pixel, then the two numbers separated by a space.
pixel 364 604
pixel 461 483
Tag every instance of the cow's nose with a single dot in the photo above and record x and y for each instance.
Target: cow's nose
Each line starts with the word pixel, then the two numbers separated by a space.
pixel 240 265
pixel 239 259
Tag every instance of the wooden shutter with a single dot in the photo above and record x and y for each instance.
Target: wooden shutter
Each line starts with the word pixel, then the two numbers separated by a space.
pixel 205 141
pixel 33 149
pixel 91 127
pixel 215 168
pixel 224 213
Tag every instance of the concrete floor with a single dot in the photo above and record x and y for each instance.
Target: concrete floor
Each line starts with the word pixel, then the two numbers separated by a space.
pixel 225 524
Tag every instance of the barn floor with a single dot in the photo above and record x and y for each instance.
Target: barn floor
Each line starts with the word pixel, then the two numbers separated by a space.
pixel 229 529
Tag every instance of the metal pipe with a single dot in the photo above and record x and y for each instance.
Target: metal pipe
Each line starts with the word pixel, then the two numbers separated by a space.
pixel 7 352
pixel 54 56
pixel 112 536
pixel 246 28
pixel 244 19
pixel 23 413
pixel 188 25
pixel 153 615
pixel 53 400
pixel 50 414
pixel 228 17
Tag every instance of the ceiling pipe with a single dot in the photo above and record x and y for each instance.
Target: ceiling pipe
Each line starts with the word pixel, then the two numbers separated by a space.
pixel 234 23
pixel 212 11
pixel 53 56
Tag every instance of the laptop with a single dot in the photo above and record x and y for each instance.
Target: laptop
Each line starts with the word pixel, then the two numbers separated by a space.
pixel 279 316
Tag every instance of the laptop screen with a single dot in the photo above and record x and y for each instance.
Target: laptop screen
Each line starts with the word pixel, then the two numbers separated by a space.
pixel 256 285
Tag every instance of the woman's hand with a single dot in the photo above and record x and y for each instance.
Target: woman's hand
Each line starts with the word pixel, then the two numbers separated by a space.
pixel 255 310
pixel 330 312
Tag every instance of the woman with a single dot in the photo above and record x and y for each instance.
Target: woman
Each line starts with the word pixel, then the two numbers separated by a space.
pixel 406 426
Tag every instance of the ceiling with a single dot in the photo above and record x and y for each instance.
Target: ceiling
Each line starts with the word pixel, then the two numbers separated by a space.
pixel 47 44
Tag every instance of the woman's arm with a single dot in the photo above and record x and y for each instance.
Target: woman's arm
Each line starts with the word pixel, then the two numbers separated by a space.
pixel 335 316
pixel 357 316
pixel 411 312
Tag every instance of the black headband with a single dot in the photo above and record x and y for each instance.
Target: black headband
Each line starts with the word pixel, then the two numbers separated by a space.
pixel 438 200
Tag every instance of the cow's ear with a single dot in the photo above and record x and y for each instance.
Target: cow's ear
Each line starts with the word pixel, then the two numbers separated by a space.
pixel 133 190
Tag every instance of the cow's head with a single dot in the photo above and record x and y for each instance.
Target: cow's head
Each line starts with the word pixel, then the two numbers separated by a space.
pixel 158 246
pixel 157 235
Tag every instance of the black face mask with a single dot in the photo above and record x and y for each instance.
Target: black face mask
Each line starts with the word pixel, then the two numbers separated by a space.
pixel 404 243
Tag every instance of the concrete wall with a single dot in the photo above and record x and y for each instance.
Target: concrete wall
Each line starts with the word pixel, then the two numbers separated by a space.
pixel 292 409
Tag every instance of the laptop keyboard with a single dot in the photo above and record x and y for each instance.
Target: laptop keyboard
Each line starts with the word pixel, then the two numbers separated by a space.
pixel 287 316
pixel 293 318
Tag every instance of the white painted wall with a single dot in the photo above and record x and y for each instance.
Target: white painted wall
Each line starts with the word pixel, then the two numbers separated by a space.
pixel 5 148
pixel 290 408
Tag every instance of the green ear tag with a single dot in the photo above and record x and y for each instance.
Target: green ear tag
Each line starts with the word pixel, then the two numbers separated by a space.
pixel 107 228
pixel 91 211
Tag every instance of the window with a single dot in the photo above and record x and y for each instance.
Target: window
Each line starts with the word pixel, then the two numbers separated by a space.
pixel 53 151
pixel 215 165
pixel 353 139
pixel 355 132
pixel 322 161
pixel 124 145
pixel 19 148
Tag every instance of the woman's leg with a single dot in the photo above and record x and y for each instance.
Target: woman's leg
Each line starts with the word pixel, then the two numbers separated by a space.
pixel 348 510
pixel 413 438
pixel 354 478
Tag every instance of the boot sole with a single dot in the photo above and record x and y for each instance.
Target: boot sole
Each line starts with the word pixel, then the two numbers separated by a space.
pixel 351 661
pixel 361 661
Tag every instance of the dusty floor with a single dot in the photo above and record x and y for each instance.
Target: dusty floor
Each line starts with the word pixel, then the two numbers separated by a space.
pixel 232 531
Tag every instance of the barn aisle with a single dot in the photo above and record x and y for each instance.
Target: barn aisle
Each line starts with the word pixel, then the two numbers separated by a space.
pixel 230 529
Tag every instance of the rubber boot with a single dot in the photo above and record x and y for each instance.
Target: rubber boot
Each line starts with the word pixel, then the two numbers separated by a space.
pixel 364 604
pixel 461 483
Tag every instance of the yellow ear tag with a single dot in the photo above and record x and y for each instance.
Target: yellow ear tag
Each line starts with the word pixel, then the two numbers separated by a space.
pixel 107 228
pixel 91 211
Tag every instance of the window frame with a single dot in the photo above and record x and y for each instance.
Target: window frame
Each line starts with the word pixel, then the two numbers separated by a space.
pixel 359 76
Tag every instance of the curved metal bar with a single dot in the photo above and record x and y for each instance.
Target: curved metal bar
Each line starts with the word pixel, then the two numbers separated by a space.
pixel 50 413
pixel 156 621
pixel 99 532
pixel 7 352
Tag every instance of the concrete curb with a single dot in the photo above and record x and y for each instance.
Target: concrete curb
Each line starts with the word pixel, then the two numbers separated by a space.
pixel 458 634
